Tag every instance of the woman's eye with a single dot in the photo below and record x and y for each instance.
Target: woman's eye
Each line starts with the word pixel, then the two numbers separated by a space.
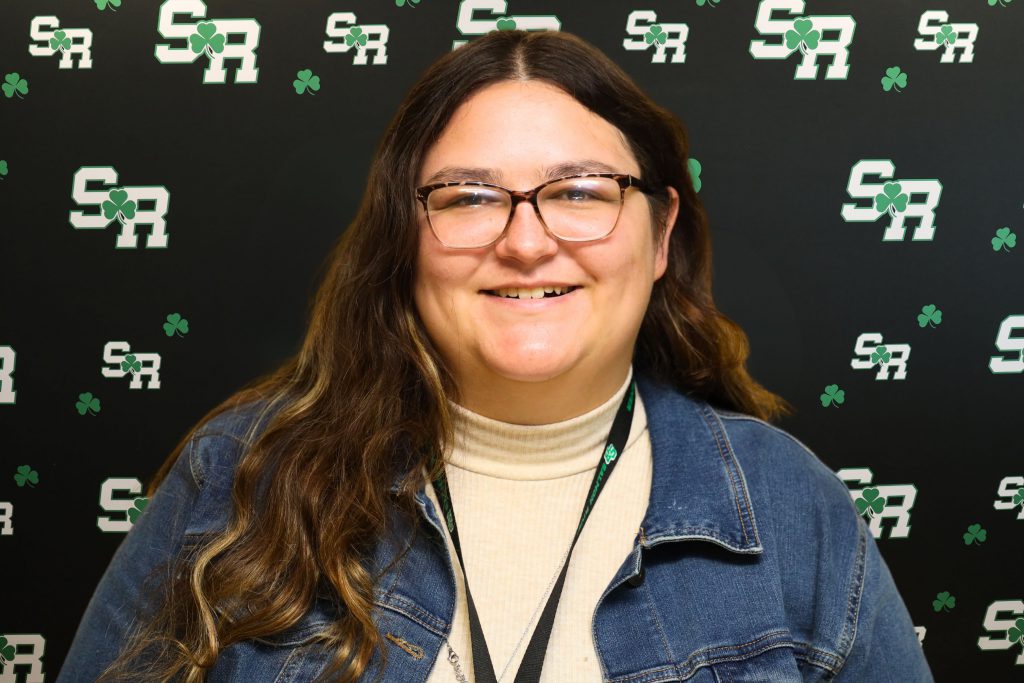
pixel 471 200
pixel 576 195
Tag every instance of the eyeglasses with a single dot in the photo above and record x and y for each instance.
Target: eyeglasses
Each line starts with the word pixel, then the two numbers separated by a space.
pixel 579 208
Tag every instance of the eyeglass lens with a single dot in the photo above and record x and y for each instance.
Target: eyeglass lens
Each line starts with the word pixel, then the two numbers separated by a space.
pixel 574 209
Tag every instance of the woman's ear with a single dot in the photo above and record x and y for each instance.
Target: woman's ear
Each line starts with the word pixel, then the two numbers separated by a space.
pixel 661 258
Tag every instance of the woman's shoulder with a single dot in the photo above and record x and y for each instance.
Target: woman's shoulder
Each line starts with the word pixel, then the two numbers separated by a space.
pixel 217 446
pixel 781 461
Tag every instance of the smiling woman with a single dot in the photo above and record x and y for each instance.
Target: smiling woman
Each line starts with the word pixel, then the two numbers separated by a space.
pixel 519 440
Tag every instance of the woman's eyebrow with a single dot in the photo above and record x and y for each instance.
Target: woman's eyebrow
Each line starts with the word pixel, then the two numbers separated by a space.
pixel 452 174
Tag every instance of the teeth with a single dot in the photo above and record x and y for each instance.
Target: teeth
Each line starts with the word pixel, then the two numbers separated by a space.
pixel 537 293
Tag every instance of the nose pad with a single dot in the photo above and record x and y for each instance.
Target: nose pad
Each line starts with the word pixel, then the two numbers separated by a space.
pixel 534 212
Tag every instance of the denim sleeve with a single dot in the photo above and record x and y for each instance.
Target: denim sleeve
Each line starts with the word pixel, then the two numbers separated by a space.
pixel 124 597
pixel 885 646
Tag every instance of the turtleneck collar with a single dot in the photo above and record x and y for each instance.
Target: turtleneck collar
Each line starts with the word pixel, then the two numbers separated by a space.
pixel 533 452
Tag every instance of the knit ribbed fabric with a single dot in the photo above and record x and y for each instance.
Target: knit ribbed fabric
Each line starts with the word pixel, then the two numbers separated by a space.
pixel 518 493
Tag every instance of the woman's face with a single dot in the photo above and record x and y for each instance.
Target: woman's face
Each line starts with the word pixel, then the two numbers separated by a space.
pixel 519 129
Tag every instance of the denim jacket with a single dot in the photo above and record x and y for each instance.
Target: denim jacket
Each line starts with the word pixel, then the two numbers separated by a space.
pixel 751 564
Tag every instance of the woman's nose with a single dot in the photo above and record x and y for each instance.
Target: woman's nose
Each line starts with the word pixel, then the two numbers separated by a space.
pixel 526 237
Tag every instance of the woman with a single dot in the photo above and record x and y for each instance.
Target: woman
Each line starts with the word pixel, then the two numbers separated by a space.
pixel 305 530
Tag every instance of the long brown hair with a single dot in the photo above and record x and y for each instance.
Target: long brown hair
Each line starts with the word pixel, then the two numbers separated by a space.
pixel 368 384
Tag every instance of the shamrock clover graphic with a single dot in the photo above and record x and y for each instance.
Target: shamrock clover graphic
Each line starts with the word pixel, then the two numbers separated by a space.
pixel 1001 3
pixel 894 78
pixel 506 24
pixel 206 38
pixel 60 41
pixel 880 355
pixel 7 650
pixel 175 324
pixel 1014 634
pixel 802 36
pixel 140 505
pixel 709 3
pixel 14 84
pixel 656 34
pixel 3 168
pixel 945 34
pixel 103 4
pixel 129 364
pixel 118 206
pixel 943 601
pixel 411 3
pixel 1004 239
pixel 975 534
pixel 355 35
pixel 306 81
pixel 870 502
pixel 1018 497
pixel 929 314
pixel 891 198
pixel 26 475
pixel 87 403
pixel 833 396
pixel 695 169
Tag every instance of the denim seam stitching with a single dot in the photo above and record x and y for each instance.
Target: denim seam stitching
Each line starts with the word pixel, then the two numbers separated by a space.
pixel 733 481
pixel 684 669
pixel 657 621
pixel 194 465
pixel 417 614
pixel 849 635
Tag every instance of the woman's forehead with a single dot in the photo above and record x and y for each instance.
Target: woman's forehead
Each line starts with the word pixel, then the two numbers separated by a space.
pixel 518 130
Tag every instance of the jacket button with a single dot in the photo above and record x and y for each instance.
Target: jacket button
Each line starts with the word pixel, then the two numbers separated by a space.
pixel 635 581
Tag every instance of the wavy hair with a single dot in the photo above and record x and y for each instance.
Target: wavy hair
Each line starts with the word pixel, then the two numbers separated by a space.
pixel 365 397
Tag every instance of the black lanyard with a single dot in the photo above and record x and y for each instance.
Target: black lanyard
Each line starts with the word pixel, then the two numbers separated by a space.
pixel 533 660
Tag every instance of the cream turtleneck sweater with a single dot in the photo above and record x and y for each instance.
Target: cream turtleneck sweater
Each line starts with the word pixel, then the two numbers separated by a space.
pixel 518 493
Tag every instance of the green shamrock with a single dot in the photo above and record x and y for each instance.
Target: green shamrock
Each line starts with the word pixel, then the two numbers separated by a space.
pixel 943 601
pixel 709 3
pixel 870 502
pixel 695 169
pixel 801 36
pixel 118 205
pixel 1018 497
pixel 26 475
pixel 1015 633
pixel 305 80
pixel 1004 3
pixel 506 24
pixel 60 41
pixel 929 314
pixel 207 38
pixel 412 3
pixel 656 34
pixel 880 355
pixel 175 323
pixel 894 77
pixel 7 650
pixel 3 167
pixel 140 505
pixel 87 403
pixel 355 35
pixel 14 84
pixel 975 534
pixel 891 198
pixel 945 34
pixel 102 4
pixel 833 395
pixel 130 364
pixel 1004 239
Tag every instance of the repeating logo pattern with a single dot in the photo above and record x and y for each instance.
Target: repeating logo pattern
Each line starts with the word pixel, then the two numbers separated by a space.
pixel 120 205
